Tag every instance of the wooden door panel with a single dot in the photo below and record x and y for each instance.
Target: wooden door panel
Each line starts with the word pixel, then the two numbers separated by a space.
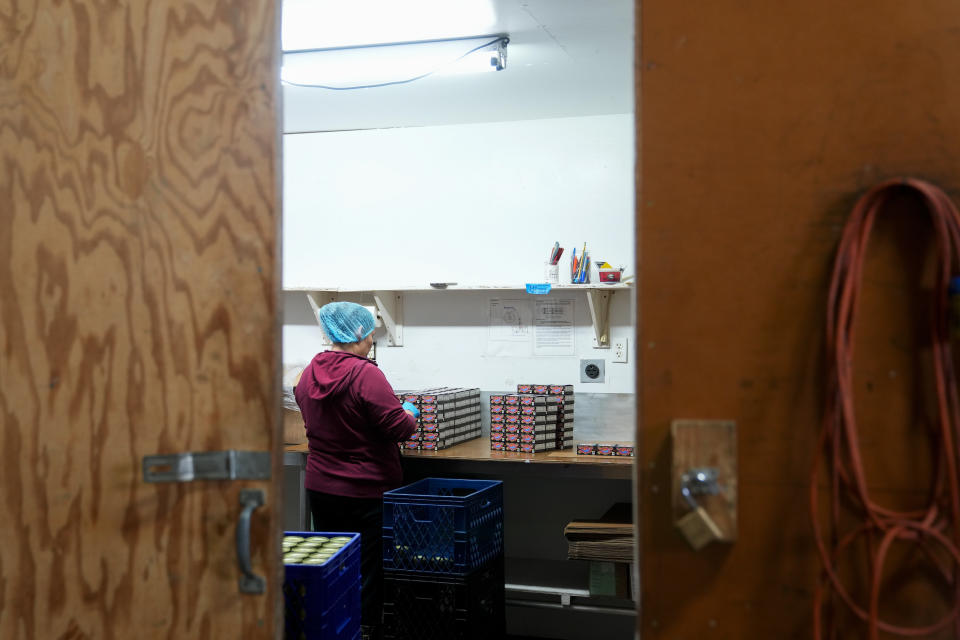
pixel 139 216
pixel 760 125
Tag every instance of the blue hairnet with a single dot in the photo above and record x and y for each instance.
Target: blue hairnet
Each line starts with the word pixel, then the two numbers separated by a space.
pixel 345 321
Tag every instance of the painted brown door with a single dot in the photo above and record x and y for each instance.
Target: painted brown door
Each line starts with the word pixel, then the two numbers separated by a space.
pixel 139 216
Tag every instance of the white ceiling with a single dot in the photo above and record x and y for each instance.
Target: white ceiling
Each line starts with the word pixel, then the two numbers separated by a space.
pixel 565 58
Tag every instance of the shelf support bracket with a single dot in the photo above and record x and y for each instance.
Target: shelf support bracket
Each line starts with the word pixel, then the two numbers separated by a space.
pixel 390 309
pixel 317 299
pixel 600 315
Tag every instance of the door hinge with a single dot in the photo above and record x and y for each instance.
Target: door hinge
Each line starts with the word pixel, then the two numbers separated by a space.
pixel 207 465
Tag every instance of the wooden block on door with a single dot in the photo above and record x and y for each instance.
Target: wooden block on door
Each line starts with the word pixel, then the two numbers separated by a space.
pixel 710 444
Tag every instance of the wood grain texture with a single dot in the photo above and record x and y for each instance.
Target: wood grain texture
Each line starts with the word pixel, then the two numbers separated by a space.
pixel 139 186
pixel 759 125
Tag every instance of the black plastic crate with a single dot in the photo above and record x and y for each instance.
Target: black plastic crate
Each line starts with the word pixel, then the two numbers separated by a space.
pixel 443 526
pixel 426 606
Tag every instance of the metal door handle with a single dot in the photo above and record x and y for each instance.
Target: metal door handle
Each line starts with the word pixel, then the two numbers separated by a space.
pixel 250 582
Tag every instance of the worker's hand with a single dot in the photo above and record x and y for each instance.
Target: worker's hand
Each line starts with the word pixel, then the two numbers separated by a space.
pixel 410 408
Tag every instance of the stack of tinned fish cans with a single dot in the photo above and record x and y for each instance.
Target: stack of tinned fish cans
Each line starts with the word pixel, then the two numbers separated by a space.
pixel 448 416
pixel 601 449
pixel 311 549
pixel 539 417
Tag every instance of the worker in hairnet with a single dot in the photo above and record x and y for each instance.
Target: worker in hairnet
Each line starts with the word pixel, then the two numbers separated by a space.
pixel 354 422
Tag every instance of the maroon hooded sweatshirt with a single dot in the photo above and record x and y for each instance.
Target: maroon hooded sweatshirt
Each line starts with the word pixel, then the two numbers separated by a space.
pixel 354 422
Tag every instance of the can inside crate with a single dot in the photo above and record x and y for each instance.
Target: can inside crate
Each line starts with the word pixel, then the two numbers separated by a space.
pixel 443 525
pixel 322 602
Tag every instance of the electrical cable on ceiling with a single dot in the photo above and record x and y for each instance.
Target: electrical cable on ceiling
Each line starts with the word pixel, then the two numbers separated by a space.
pixel 938 523
pixel 502 39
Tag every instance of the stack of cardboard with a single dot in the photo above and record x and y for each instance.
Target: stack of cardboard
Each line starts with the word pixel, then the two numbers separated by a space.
pixel 608 539
pixel 294 431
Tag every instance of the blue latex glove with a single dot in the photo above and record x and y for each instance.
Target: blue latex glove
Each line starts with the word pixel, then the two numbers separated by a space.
pixel 409 406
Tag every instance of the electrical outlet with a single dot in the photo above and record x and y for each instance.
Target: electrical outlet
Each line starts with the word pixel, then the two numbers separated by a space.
pixel 591 370
pixel 619 350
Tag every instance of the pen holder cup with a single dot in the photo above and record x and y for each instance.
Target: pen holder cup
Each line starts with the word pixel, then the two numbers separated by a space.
pixel 551 273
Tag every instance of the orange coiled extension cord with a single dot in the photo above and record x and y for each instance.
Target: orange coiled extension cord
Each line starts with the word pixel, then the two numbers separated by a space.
pixel 938 524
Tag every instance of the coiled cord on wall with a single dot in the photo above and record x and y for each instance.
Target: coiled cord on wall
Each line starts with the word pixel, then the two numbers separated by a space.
pixel 938 524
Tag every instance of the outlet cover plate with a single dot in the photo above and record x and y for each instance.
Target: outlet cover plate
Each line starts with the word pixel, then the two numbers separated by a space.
pixel 592 370
pixel 618 350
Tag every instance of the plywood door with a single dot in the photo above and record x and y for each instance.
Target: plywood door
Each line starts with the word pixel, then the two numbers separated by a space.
pixel 138 286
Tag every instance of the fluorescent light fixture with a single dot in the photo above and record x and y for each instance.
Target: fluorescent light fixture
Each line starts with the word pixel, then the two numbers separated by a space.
pixel 325 24
pixel 386 64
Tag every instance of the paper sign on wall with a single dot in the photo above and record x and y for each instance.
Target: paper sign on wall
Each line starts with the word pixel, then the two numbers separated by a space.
pixel 553 328
pixel 509 333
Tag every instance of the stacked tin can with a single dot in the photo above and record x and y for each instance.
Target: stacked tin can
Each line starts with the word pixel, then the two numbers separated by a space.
pixel 448 416
pixel 539 417
pixel 602 449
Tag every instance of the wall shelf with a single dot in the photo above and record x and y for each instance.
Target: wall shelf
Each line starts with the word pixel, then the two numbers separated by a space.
pixel 389 303
pixel 508 287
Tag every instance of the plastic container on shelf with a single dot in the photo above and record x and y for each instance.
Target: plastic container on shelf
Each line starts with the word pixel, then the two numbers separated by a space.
pixel 443 526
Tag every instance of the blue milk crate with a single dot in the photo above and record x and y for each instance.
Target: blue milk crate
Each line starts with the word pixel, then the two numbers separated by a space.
pixel 322 602
pixel 341 621
pixel 443 526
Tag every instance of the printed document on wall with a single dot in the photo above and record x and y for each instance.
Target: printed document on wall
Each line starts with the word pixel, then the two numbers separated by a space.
pixel 553 328
pixel 509 333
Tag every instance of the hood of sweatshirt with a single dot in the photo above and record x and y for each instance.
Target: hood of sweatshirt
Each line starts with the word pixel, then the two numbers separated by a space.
pixel 332 372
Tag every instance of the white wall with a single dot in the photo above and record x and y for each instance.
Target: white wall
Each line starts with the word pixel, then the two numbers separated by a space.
pixel 445 343
pixel 476 204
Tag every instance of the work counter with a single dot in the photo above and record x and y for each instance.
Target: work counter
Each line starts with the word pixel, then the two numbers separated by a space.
pixel 471 458
pixel 478 450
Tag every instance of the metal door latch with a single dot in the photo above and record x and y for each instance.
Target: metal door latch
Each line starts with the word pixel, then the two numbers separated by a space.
pixel 701 481
pixel 697 526
pixel 207 465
